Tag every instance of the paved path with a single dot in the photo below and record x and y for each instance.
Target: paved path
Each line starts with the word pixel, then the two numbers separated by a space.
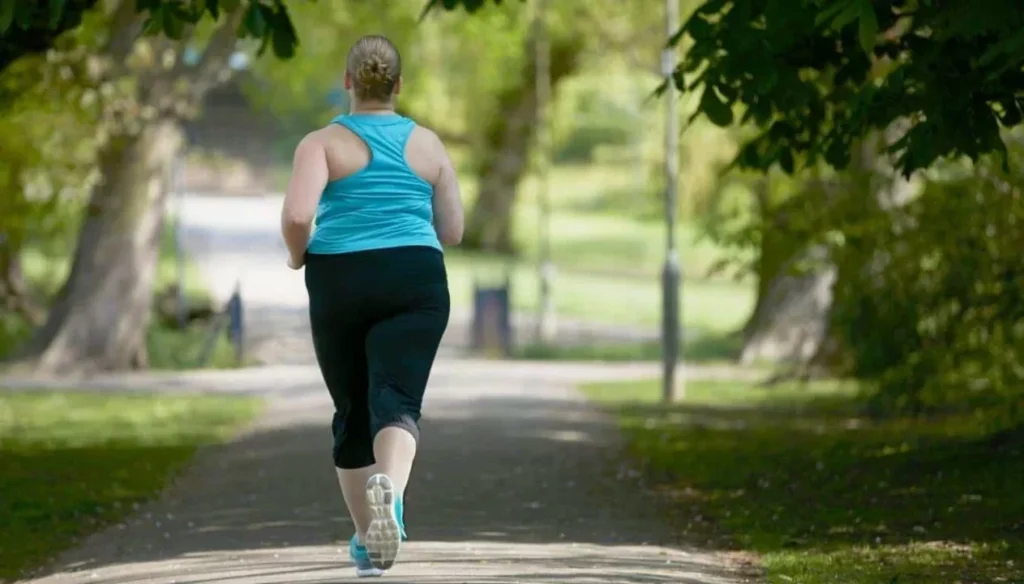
pixel 518 481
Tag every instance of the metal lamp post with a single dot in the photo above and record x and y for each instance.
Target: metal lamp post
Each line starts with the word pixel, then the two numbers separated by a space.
pixel 672 384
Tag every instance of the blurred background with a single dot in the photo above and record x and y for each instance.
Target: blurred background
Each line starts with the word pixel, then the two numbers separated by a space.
pixel 471 78
pixel 165 160
pixel 141 179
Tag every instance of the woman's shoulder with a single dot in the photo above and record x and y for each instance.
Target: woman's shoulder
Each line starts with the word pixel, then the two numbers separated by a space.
pixel 425 136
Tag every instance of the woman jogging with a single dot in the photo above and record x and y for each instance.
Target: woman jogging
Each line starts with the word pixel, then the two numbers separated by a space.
pixel 385 198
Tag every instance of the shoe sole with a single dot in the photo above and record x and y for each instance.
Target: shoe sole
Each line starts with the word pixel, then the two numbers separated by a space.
pixel 369 573
pixel 384 537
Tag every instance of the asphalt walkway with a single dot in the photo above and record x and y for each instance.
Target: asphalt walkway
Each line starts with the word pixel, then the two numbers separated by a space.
pixel 519 480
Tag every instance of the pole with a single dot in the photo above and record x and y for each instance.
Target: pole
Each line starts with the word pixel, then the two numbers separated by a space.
pixel 672 388
pixel 546 269
pixel 177 183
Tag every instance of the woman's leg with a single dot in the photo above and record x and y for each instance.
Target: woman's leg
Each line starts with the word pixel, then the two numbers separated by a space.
pixel 400 353
pixel 395 447
pixel 341 355
pixel 353 488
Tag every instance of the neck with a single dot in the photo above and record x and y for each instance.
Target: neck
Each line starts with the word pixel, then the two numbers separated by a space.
pixel 372 108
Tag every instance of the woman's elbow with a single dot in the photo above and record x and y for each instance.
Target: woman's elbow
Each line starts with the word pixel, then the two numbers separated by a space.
pixel 450 235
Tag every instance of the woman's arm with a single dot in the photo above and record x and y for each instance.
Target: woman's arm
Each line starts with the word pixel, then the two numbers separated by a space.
pixel 449 219
pixel 309 177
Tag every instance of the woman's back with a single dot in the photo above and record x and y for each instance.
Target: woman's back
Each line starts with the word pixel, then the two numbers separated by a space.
pixel 379 194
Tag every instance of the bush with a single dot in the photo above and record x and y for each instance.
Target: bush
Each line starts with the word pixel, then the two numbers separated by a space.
pixel 929 305
pixel 937 319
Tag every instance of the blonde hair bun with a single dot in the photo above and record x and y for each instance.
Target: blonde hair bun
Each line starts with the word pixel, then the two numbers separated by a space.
pixel 373 70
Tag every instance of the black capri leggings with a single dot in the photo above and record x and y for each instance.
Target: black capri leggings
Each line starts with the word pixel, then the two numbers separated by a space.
pixel 377 318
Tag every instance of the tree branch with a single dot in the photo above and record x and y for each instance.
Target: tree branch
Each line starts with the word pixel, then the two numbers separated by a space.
pixel 125 26
pixel 210 70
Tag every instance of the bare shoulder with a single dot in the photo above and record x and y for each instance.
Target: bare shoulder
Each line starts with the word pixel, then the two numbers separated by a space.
pixel 425 153
pixel 310 144
pixel 427 139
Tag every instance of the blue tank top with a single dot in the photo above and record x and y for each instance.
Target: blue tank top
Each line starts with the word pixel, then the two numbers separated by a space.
pixel 383 205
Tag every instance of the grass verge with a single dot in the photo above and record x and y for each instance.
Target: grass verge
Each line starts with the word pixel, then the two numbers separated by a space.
pixel 71 463
pixel 699 348
pixel 823 495
pixel 715 306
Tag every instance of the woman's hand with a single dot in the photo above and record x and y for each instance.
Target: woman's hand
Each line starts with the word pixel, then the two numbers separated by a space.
pixel 296 264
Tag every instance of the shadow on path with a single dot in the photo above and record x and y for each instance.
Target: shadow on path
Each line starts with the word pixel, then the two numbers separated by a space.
pixel 516 482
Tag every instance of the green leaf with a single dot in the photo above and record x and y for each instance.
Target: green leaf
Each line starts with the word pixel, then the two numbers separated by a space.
pixel 213 7
pixel 698 28
pixel 831 13
pixel 154 23
pixel 254 22
pixel 284 37
pixel 56 11
pixel 839 15
pixel 838 154
pixel 6 14
pixel 712 7
pixel 679 33
pixel 868 30
pixel 787 161
pixel 1011 113
pixel 173 25
pixel 715 109
pixel 679 79
pixel 729 93
pixel 24 13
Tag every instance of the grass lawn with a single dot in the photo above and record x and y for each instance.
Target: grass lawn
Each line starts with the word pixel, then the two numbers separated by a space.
pixel 823 495
pixel 608 258
pixel 46 267
pixel 698 348
pixel 71 463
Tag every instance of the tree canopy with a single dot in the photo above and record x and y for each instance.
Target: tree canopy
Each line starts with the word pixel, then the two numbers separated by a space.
pixel 32 27
pixel 817 75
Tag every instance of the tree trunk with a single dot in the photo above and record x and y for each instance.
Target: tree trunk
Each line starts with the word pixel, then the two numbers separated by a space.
pixel 15 296
pixel 507 142
pixel 99 319
pixel 792 321
pixel 790 316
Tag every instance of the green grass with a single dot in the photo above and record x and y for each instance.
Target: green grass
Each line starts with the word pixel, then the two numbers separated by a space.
pixel 824 495
pixel 699 348
pixel 46 267
pixel 608 260
pixel 71 463
pixel 715 306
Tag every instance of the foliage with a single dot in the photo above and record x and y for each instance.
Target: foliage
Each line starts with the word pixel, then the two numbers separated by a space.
pixel 300 87
pixel 592 117
pixel 46 171
pixel 33 27
pixel 936 318
pixel 74 462
pixel 794 474
pixel 816 75
pixel 927 305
